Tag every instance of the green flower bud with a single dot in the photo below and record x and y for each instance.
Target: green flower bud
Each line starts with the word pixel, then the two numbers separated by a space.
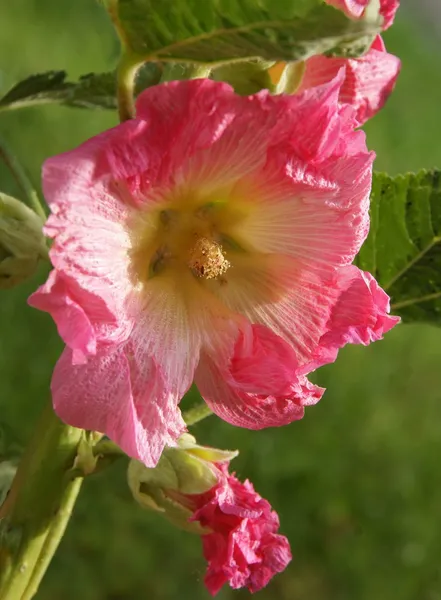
pixel 181 472
pixel 22 242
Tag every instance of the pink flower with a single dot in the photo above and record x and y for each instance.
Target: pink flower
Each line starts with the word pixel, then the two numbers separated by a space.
pixel 356 8
pixel 369 79
pixel 209 239
pixel 244 548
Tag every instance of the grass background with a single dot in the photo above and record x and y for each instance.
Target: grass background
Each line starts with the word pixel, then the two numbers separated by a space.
pixel 357 483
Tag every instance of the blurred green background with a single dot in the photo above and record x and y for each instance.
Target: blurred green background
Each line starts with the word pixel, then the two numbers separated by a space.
pixel 357 483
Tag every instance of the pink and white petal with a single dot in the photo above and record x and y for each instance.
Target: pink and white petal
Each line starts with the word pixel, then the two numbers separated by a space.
pixel 131 406
pixel 317 215
pixel 178 318
pixel 360 315
pixel 292 300
pixel 311 123
pixel 71 178
pixel 73 324
pixel 210 130
pixel 88 223
pixel 156 396
pixel 313 206
pixel 253 411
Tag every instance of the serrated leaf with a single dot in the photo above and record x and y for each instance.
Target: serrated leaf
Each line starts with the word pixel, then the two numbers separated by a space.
pixel 224 30
pixel 38 89
pixel 403 249
pixel 95 90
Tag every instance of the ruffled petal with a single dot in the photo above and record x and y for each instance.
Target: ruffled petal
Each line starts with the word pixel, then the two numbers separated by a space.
pixel 72 322
pixel 369 79
pixel 253 410
pixel 262 362
pixel 88 220
pixel 222 144
pixel 244 548
pixel 360 316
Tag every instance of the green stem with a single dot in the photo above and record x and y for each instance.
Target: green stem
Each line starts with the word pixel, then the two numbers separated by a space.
pixel 197 413
pixel 173 71
pixel 126 76
pixel 38 507
pixel 22 179
pixel 53 538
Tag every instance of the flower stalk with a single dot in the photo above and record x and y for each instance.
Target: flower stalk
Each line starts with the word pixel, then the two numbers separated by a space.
pixel 126 77
pixel 37 509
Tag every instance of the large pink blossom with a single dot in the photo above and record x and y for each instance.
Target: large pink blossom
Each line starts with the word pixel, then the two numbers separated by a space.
pixel 355 9
pixel 209 239
pixel 243 548
pixel 369 79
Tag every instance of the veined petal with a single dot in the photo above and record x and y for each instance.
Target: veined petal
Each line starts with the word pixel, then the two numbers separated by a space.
pixel 360 316
pixel 262 362
pixel 88 223
pixel 74 326
pixel 369 79
pixel 253 411
pixel 281 293
pixel 315 214
pixel 222 144
pixel 116 396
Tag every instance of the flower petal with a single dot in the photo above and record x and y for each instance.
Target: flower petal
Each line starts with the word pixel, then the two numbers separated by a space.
pixel 91 242
pixel 221 145
pixel 251 410
pixel 262 363
pixel 356 8
pixel 73 324
pixel 358 317
pixel 125 400
pixel 369 79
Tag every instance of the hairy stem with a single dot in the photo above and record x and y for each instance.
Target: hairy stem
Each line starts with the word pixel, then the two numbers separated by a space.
pixel 22 179
pixel 126 76
pixel 36 511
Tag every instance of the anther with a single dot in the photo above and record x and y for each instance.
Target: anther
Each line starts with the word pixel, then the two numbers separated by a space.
pixel 207 259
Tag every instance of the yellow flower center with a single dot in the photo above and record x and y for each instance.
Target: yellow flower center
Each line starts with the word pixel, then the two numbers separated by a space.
pixel 188 233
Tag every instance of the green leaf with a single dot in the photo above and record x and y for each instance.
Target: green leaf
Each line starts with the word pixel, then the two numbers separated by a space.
pixel 95 90
pixel 225 30
pixel 403 249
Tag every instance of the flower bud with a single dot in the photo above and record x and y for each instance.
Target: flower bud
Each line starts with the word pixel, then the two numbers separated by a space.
pixel 189 469
pixel 192 487
pixel 22 242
